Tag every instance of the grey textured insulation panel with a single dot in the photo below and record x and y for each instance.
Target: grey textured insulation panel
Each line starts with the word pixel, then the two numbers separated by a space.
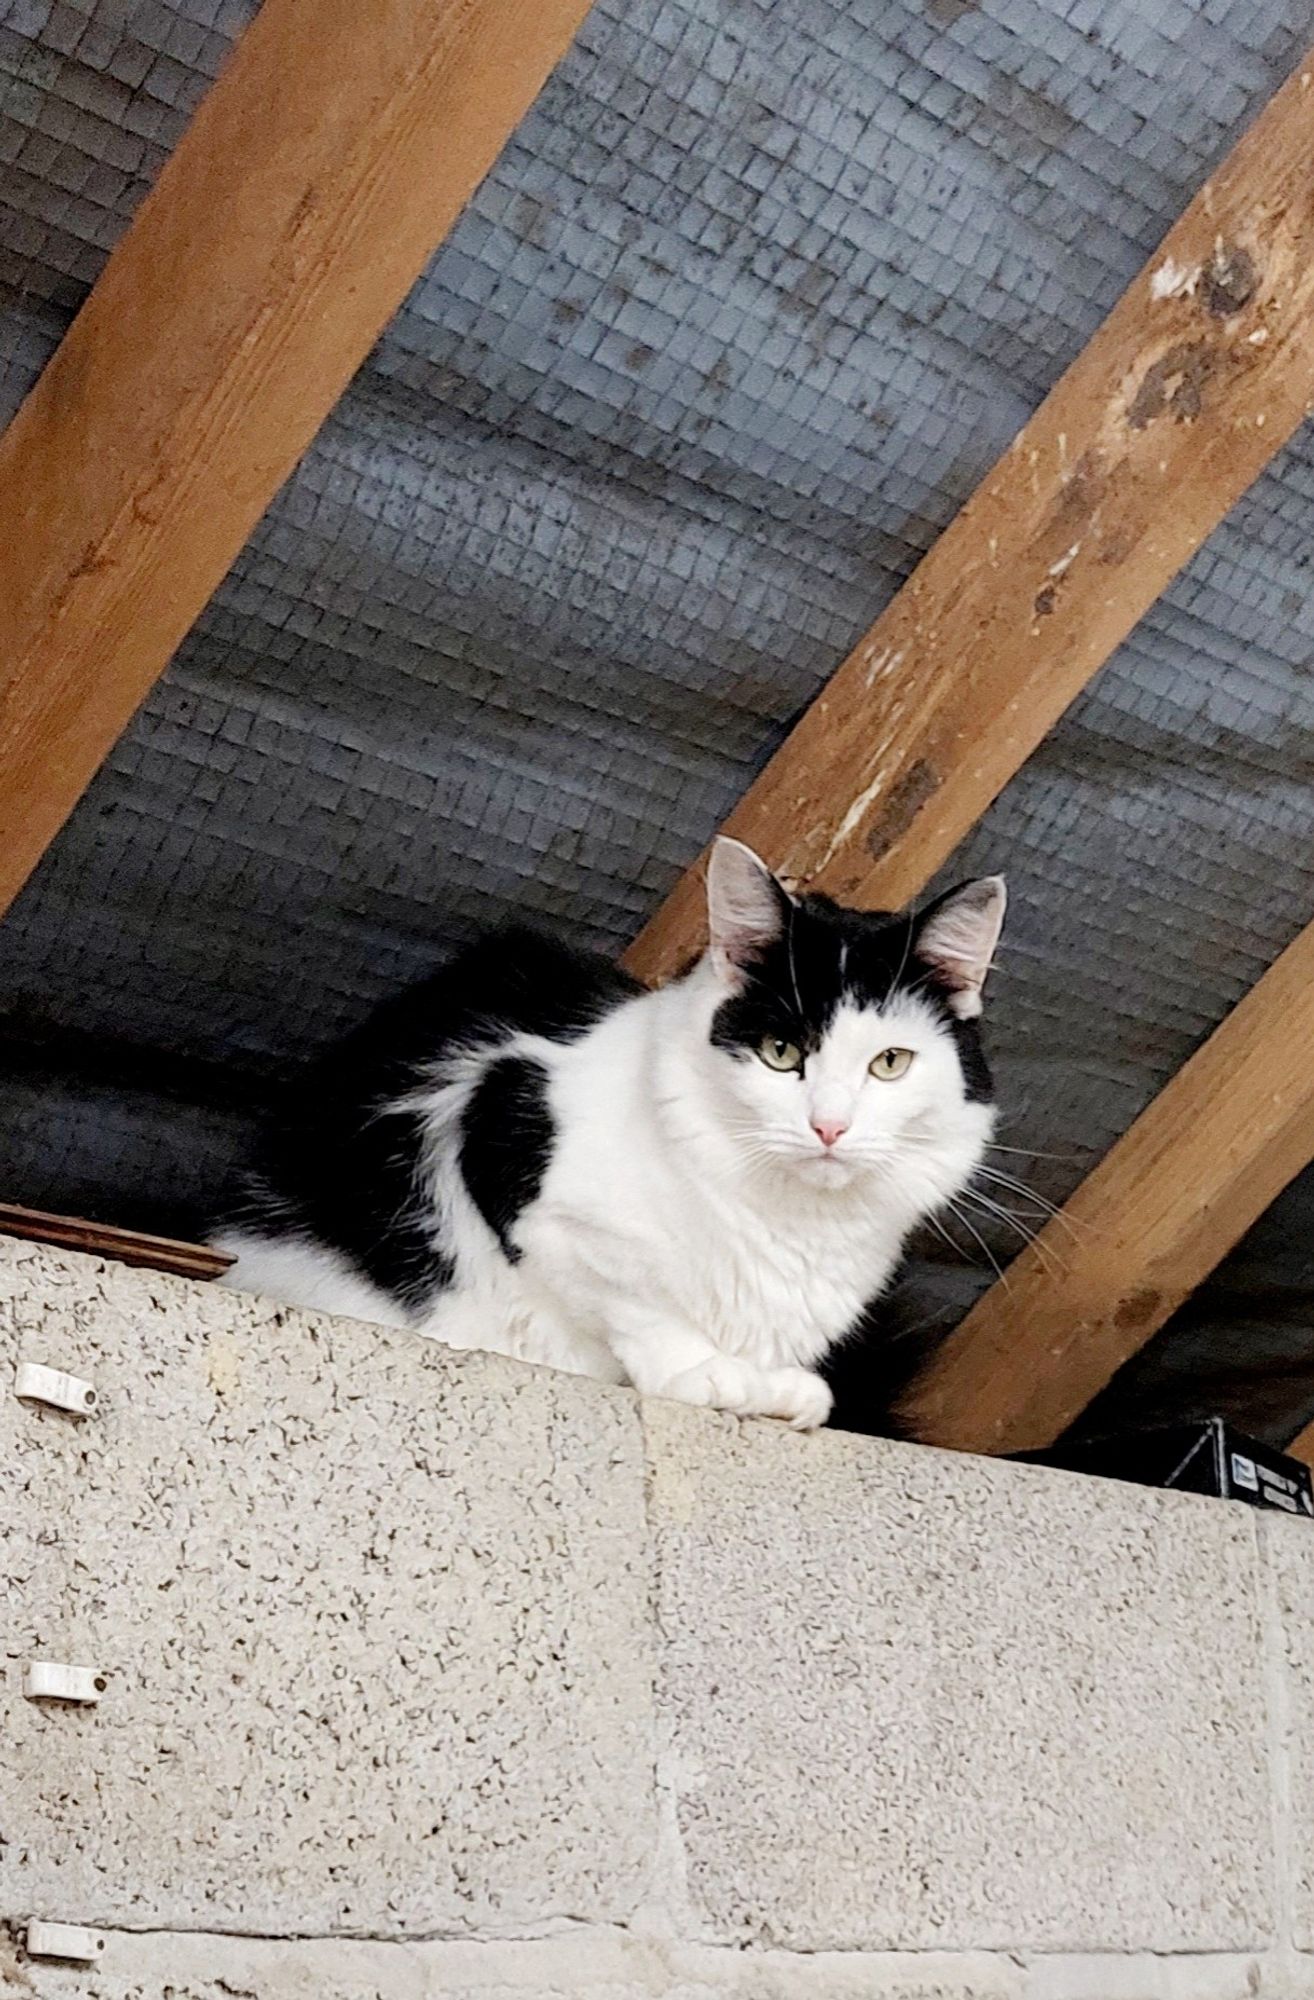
pixel 753 298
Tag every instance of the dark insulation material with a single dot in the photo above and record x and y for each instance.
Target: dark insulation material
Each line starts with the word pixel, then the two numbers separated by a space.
pixel 754 297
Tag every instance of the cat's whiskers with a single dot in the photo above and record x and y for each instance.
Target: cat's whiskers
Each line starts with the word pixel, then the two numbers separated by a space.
pixel 1046 1208
pixel 755 1148
pixel 1072 1225
pixel 903 965
pixel 1019 1187
pixel 1030 1153
pixel 952 1205
pixel 937 1199
pixel 933 1221
pixel 793 973
pixel 1048 1256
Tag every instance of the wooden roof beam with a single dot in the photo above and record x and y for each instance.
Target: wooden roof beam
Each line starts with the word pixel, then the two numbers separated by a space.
pixel 1302 1446
pixel 330 158
pixel 1199 374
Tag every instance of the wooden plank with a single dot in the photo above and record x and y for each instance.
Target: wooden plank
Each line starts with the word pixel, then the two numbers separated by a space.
pixel 329 159
pixel 1170 1199
pixel 1302 1446
pixel 1199 374
pixel 102 1239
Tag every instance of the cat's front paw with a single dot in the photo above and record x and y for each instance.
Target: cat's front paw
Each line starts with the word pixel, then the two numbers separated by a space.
pixel 793 1395
pixel 719 1383
pixel 797 1397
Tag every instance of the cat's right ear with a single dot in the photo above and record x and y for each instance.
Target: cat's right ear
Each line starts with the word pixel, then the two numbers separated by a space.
pixel 746 907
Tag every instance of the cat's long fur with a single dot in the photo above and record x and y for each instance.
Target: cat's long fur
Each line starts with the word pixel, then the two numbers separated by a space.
pixel 531 1154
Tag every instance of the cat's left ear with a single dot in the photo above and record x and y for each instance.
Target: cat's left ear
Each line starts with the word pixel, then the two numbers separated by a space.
pixel 957 937
pixel 746 906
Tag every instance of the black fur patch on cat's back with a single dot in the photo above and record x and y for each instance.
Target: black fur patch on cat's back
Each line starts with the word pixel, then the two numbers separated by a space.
pixel 340 1164
pixel 506 1141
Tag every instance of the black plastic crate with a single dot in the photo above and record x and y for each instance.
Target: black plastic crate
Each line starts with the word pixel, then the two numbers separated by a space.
pixel 1207 1456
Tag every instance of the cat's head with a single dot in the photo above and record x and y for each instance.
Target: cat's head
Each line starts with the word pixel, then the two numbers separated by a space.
pixel 848 1040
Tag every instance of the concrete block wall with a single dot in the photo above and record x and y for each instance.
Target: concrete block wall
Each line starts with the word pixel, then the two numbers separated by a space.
pixel 429 1674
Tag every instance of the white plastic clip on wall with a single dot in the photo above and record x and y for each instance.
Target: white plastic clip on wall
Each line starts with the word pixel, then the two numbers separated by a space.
pixel 53 1680
pixel 73 1941
pixel 36 1384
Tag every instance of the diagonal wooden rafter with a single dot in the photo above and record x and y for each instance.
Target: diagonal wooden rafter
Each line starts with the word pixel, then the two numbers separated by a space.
pixel 330 158
pixel 1199 374
pixel 1167 1202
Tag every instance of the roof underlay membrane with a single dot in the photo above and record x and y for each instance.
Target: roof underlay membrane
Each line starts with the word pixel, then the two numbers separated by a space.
pixel 754 297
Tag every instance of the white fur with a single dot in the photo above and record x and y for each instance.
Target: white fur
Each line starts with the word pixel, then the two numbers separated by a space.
pixel 692 1235
pixel 305 1274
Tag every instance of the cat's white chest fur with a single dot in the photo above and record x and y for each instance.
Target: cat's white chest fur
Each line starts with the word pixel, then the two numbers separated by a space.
pixel 652 1244
pixel 770 1273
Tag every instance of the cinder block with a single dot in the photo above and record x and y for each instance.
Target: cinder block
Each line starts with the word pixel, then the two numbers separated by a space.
pixel 921 1700
pixel 1289 1550
pixel 373 1618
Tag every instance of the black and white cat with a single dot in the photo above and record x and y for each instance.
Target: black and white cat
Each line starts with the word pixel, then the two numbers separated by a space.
pixel 697 1190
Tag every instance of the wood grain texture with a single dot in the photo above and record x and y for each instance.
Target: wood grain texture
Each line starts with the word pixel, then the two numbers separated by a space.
pixel 1171 1198
pixel 102 1239
pixel 1200 373
pixel 316 178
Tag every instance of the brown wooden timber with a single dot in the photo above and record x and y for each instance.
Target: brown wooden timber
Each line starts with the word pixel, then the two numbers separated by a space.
pixel 332 155
pixel 1181 1186
pixel 101 1239
pixel 1199 374
pixel 1302 1446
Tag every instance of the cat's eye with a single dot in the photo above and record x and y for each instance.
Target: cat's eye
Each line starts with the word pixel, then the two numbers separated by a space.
pixel 778 1054
pixel 891 1064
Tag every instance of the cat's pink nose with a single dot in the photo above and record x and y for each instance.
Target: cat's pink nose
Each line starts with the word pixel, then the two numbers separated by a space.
pixel 829 1130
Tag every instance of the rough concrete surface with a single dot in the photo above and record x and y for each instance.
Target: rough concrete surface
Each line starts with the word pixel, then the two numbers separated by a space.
pixel 608 1965
pixel 430 1674
pixel 374 1618
pixel 921 1700
pixel 1290 1555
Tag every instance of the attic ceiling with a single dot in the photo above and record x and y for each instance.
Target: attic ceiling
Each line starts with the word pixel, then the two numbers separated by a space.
pixel 755 296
